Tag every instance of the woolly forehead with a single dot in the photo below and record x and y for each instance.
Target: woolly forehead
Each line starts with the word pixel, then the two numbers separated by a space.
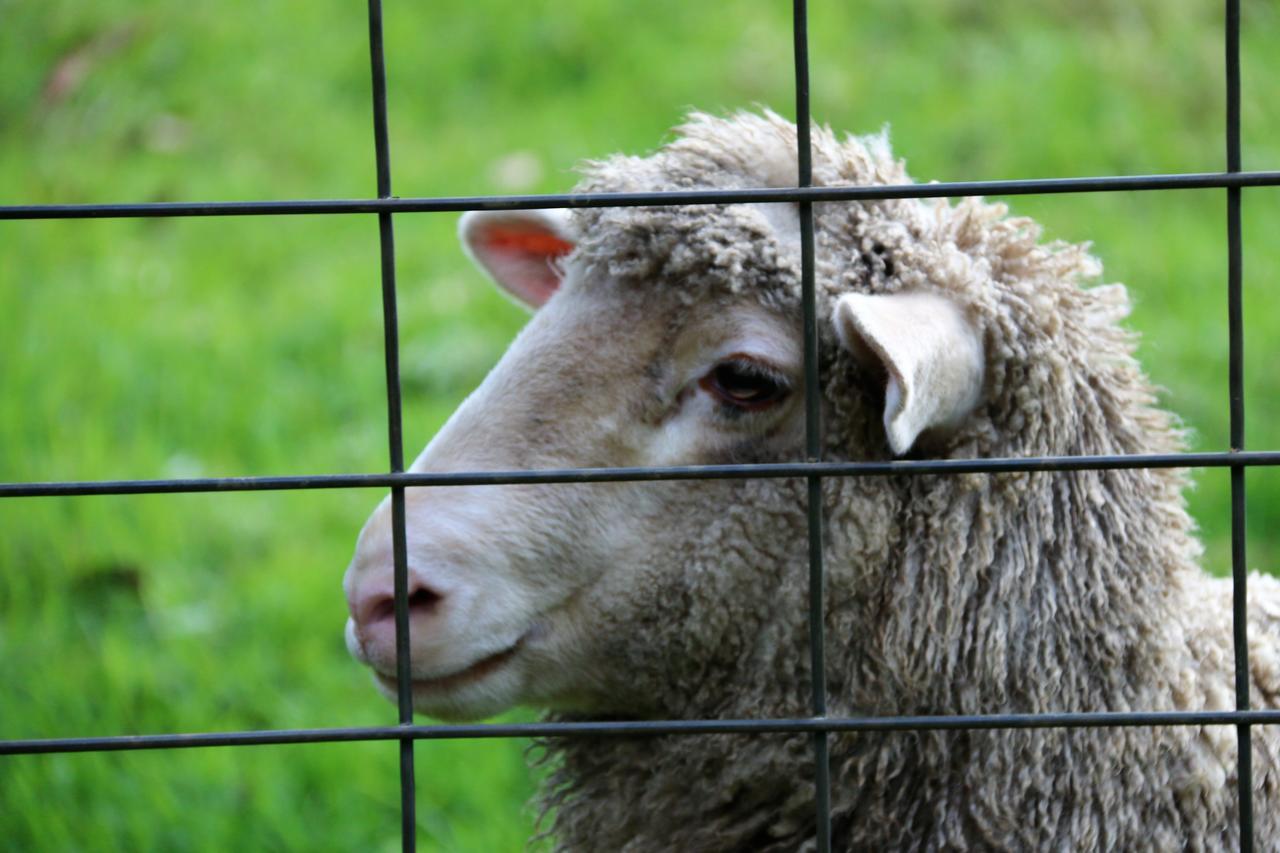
pixel 748 253
pixel 701 252
pixel 746 248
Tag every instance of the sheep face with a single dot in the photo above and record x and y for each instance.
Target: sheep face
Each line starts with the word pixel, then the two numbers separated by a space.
pixel 603 597
pixel 510 585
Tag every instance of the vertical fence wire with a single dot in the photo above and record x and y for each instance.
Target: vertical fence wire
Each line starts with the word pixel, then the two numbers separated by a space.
pixel 395 438
pixel 1235 382
pixel 813 431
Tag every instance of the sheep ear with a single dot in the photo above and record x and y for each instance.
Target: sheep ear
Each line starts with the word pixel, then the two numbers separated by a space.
pixel 518 249
pixel 930 351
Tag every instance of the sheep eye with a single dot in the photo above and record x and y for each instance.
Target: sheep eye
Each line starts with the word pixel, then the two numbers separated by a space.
pixel 744 385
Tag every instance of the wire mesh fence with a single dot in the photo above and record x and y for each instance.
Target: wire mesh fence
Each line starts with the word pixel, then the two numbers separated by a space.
pixel 819 726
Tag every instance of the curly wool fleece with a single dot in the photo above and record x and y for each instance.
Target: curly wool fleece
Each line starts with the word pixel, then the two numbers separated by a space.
pixel 960 594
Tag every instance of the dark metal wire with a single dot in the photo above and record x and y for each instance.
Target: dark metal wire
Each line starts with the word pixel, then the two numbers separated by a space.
pixel 647 728
pixel 457 204
pixel 1235 382
pixel 812 431
pixel 764 471
pixel 395 437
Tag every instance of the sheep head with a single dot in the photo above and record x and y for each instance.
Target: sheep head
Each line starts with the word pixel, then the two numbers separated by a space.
pixel 671 336
pixel 638 597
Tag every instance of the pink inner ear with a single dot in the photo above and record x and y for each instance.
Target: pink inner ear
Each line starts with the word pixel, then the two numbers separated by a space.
pixel 521 260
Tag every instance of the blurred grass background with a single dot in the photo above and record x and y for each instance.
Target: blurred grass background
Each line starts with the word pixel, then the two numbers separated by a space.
pixel 239 346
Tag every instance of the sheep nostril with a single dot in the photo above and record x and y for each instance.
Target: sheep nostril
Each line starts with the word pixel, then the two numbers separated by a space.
pixel 422 600
pixel 381 607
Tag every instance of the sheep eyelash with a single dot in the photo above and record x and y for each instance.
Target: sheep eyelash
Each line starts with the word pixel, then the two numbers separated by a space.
pixel 748 367
pixel 756 368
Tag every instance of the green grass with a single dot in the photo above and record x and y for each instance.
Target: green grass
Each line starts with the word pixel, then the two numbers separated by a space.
pixel 242 346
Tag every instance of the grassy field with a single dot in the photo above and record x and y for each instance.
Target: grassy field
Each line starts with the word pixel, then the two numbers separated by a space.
pixel 240 346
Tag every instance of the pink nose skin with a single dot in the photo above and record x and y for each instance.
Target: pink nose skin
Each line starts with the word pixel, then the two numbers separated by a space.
pixel 374 612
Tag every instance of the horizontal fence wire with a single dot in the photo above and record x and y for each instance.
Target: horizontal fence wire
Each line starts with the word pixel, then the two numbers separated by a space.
pixel 758 470
pixel 647 728
pixel 460 204
pixel 406 733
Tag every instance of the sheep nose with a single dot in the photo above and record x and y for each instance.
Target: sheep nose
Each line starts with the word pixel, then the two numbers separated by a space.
pixel 374 607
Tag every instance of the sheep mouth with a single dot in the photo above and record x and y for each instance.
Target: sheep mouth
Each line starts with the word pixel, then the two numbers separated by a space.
pixel 460 678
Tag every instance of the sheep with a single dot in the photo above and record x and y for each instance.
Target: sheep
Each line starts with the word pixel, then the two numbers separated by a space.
pixel 670 335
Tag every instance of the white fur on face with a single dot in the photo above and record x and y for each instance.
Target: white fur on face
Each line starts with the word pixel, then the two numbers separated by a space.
pixel 602 376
